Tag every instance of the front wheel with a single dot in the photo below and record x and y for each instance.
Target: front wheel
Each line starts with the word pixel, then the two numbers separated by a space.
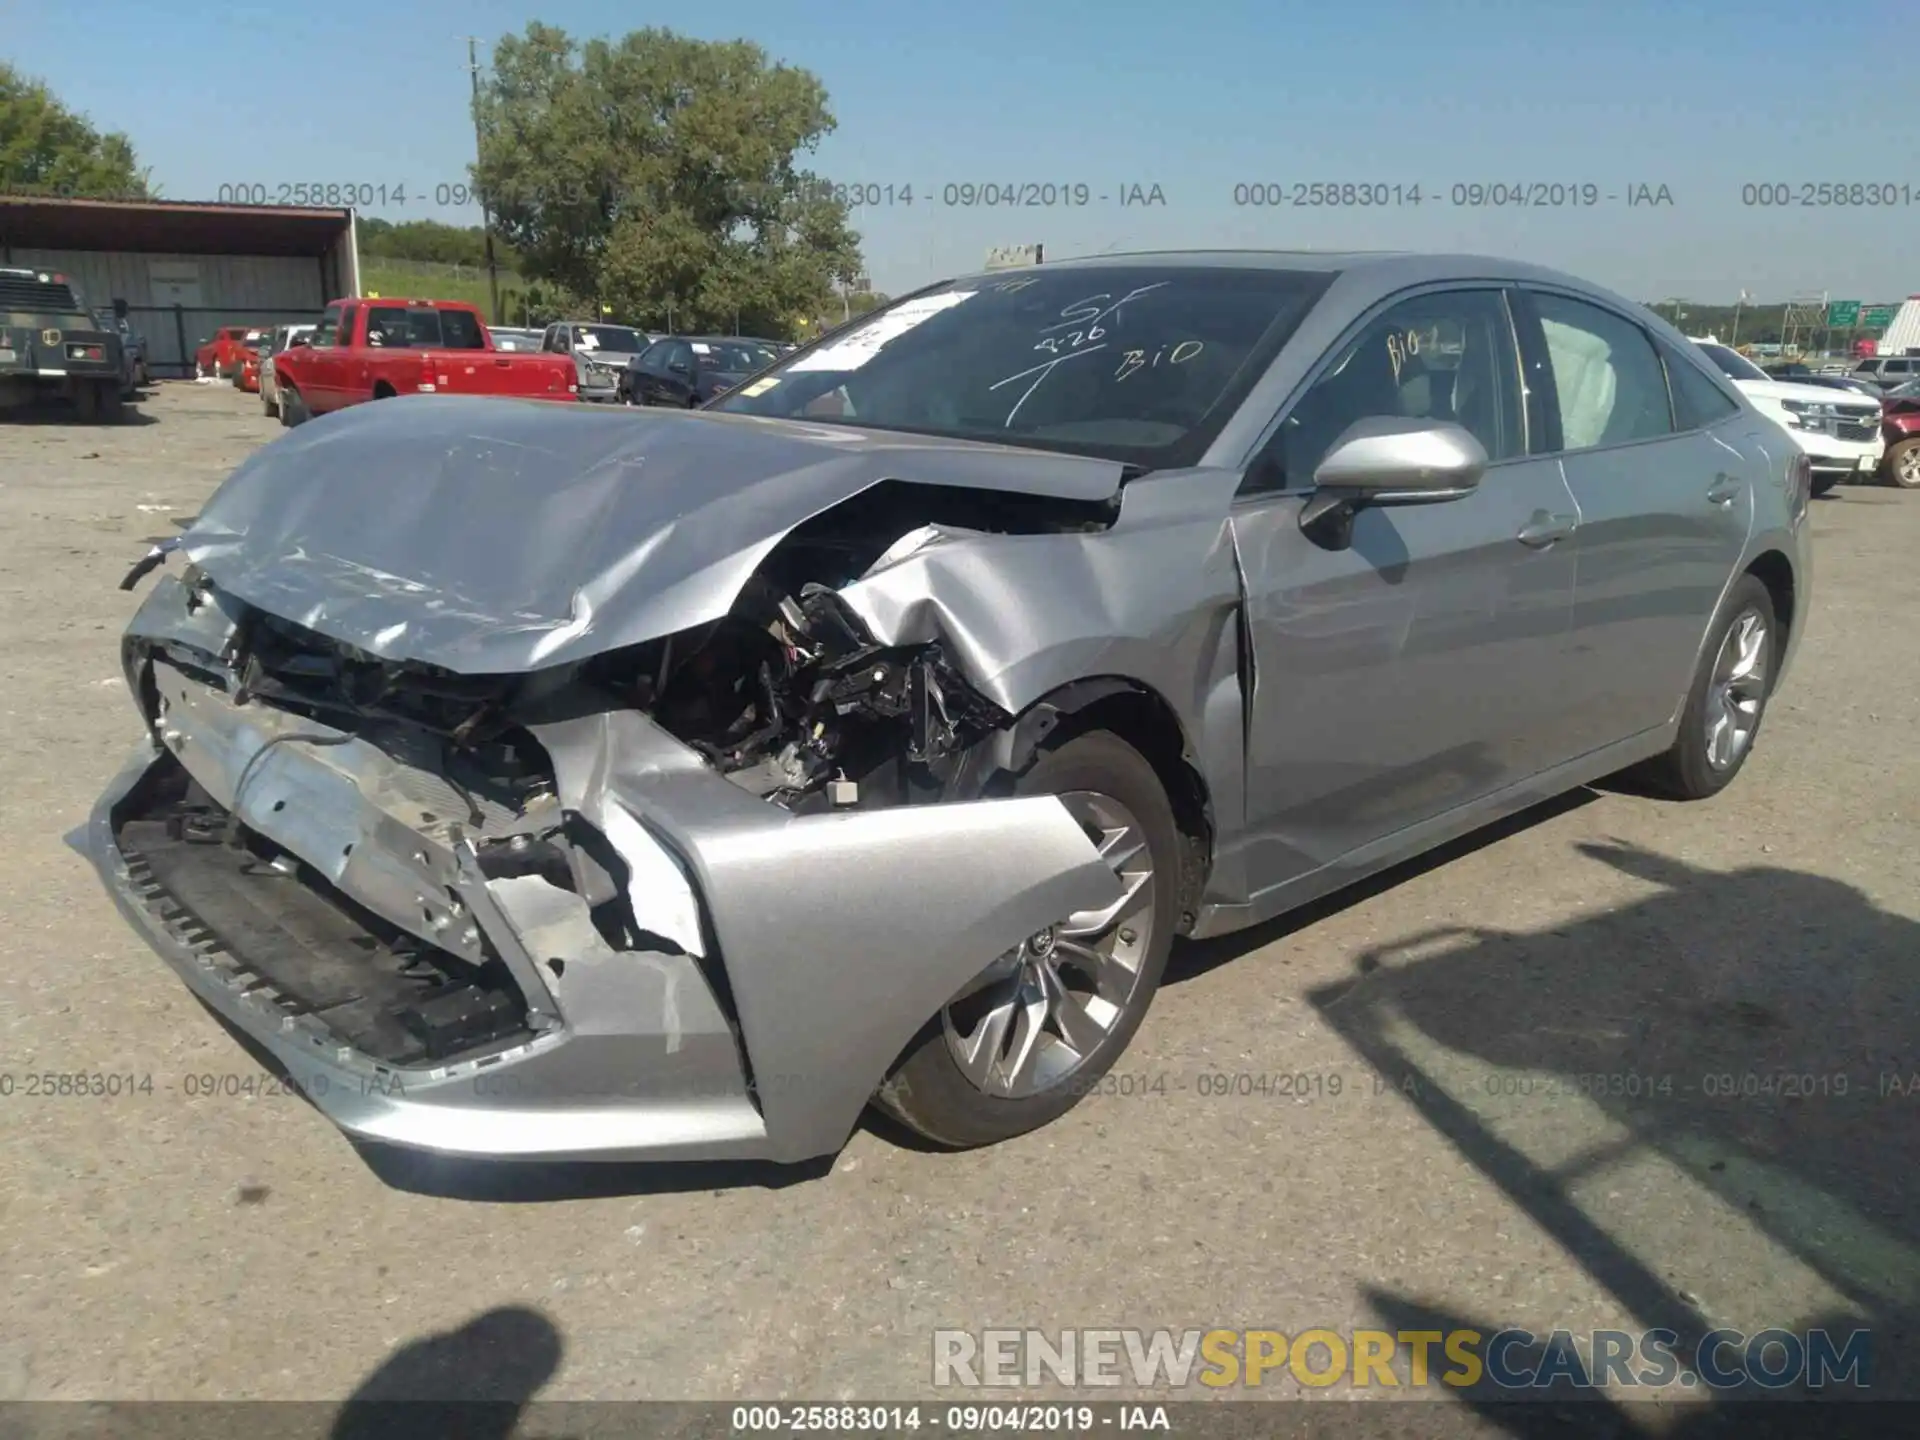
pixel 1019 1046
pixel 1728 700
pixel 1823 483
pixel 293 409
pixel 1902 465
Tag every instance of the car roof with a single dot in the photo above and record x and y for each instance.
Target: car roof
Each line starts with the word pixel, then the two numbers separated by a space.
pixel 1396 267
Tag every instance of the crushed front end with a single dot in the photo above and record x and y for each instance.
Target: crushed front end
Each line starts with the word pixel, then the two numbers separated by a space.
pixel 677 901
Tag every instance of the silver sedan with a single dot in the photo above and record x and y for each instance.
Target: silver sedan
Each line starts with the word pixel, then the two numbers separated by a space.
pixel 673 785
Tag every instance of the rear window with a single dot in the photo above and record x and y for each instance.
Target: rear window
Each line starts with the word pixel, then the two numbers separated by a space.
pixel 33 292
pixel 423 327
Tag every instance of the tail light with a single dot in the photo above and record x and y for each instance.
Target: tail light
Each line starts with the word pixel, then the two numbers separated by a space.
pixel 1800 477
pixel 425 383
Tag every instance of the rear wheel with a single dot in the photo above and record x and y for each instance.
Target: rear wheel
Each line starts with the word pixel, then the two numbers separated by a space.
pixel 1902 465
pixel 1727 702
pixel 1020 1045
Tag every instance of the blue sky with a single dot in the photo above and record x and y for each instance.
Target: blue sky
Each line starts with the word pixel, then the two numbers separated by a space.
pixel 1196 98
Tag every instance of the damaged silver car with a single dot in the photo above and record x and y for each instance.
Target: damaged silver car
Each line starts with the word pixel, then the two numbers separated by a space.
pixel 672 785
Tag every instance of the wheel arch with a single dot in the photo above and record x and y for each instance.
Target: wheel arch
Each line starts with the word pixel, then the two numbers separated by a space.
pixel 1775 571
pixel 1141 716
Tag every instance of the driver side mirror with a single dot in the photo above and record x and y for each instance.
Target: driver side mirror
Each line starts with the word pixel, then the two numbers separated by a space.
pixel 678 367
pixel 1388 460
pixel 300 342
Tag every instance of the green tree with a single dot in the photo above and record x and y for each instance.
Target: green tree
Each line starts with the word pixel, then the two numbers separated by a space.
pixel 658 174
pixel 47 149
pixel 430 240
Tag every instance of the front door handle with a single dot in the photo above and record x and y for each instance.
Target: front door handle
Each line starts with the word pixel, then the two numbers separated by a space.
pixel 1545 529
pixel 1725 490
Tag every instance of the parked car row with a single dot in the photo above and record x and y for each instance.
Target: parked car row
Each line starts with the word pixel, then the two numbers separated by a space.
pixel 373 349
pixel 1847 435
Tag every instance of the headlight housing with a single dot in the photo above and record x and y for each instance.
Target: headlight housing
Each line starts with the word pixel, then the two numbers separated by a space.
pixel 1810 414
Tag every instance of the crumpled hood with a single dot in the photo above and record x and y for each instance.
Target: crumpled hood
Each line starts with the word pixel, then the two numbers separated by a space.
pixel 493 536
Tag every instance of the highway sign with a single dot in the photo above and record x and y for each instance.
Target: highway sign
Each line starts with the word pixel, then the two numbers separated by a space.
pixel 1843 314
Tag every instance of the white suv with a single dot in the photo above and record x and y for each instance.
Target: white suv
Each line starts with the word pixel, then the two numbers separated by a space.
pixel 1839 431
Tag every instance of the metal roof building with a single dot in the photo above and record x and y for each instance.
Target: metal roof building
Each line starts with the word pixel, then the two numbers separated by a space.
pixel 186 268
pixel 1903 335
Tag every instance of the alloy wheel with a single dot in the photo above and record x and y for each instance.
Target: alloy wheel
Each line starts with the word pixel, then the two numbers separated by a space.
pixel 1737 690
pixel 1043 1009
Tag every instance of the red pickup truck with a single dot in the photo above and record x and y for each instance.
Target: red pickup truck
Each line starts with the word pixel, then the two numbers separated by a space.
pixel 367 349
pixel 223 354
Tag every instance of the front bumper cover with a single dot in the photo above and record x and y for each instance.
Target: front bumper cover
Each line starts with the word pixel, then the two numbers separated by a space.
pixel 823 944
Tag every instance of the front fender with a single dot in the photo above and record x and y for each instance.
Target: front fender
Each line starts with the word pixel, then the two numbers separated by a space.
pixel 840 934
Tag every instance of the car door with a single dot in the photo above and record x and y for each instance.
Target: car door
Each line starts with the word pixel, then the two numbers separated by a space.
pixel 1418 669
pixel 683 373
pixel 1664 509
pixel 333 360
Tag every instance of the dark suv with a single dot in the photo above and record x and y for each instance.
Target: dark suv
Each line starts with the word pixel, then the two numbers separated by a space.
pixel 52 345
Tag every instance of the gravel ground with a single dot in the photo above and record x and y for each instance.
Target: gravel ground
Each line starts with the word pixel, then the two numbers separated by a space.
pixel 1505 1107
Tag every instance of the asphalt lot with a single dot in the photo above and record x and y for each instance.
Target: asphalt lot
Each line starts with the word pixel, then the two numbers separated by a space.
pixel 168 1246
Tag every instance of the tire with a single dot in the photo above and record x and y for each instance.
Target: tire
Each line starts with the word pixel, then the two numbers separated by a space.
pixel 930 1092
pixel 293 409
pixel 86 402
pixel 1823 484
pixel 1902 465
pixel 1688 771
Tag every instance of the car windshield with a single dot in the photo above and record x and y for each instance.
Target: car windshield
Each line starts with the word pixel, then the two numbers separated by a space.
pixel 732 357
pixel 1733 364
pixel 1137 363
pixel 1908 391
pixel 610 337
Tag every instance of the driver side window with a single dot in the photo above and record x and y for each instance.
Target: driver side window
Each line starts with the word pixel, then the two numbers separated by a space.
pixel 1447 356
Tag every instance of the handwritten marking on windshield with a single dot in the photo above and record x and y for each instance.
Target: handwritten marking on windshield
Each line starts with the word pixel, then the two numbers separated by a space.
pixel 1045 368
pixel 1075 340
pixel 1132 360
pixel 1088 311
pixel 1014 287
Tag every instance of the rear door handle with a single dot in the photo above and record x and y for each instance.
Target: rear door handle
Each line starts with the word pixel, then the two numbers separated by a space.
pixel 1545 529
pixel 1725 490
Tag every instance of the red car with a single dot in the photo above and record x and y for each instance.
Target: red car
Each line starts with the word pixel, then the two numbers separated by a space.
pixel 1900 424
pixel 374 349
pixel 223 354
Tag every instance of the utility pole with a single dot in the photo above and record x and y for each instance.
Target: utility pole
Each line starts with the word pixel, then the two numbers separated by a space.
pixel 486 214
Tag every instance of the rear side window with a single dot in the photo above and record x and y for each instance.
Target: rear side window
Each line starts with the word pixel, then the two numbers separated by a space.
pixel 460 330
pixel 1610 385
pixel 1697 401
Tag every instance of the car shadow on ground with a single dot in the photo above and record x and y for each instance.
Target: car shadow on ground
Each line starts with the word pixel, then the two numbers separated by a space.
pixel 61 415
pixel 1754 1037
pixel 474 1382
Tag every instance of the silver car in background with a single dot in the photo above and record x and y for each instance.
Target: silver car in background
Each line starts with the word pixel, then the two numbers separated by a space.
pixel 671 785
pixel 281 338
